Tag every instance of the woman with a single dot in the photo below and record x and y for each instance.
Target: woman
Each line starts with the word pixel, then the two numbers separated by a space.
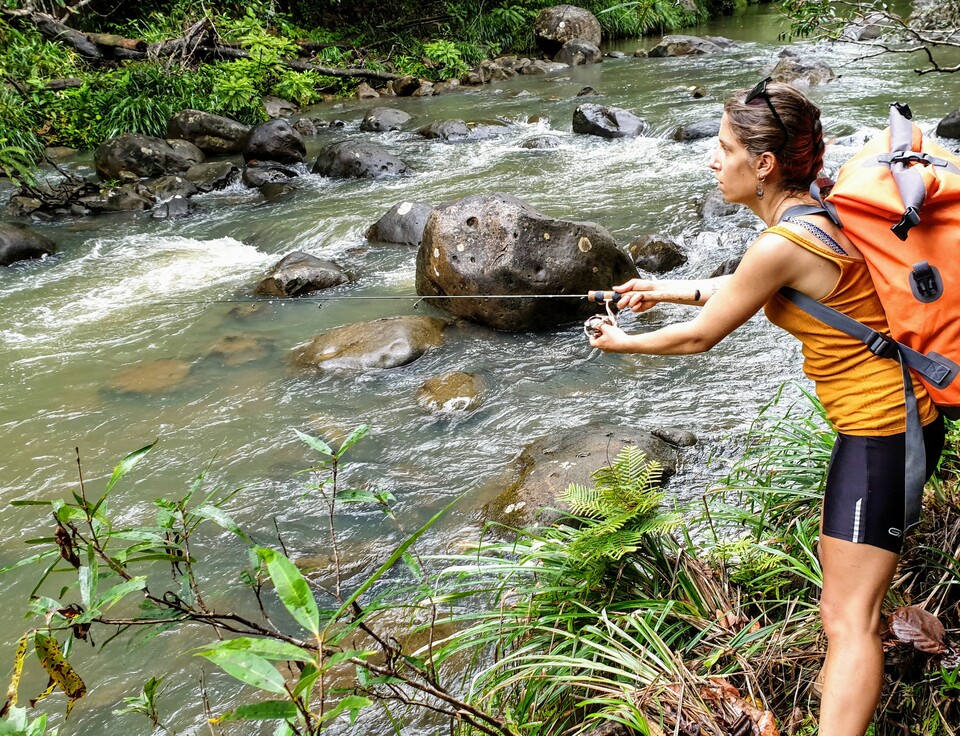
pixel 770 150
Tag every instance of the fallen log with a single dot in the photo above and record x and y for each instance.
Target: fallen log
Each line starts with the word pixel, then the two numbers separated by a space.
pixel 118 42
pixel 109 47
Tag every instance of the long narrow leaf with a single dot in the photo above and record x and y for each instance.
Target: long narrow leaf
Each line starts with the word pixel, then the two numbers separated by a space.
pixel 292 588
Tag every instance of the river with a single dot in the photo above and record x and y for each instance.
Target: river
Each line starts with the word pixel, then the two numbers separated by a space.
pixel 129 290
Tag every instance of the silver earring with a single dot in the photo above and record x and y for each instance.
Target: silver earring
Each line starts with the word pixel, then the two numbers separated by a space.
pixel 760 187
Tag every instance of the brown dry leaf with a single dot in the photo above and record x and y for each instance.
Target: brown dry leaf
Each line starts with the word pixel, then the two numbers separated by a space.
pixel 913 625
pixel 768 724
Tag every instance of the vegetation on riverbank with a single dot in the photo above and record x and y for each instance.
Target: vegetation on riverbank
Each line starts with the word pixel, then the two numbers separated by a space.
pixel 51 95
pixel 616 620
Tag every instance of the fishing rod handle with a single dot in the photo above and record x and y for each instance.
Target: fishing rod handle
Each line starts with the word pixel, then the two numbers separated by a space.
pixel 661 296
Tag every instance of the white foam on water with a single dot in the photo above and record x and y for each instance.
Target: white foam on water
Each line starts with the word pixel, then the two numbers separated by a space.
pixel 110 286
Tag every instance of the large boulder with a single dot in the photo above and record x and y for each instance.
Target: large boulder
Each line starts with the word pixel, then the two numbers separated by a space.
pixel 365 346
pixel 949 127
pixel 212 134
pixel 491 244
pixel 258 174
pixel 358 159
pixel 446 130
pixel 144 155
pixel 561 23
pixel 696 131
pixel 679 45
pixel 382 119
pixel 656 254
pixel 213 175
pixel 578 51
pixel 20 243
pixel 300 273
pixel 275 140
pixel 547 467
pixel 795 68
pixel 403 223
pixel 608 122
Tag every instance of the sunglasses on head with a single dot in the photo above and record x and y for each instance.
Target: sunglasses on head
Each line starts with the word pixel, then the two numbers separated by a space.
pixel 760 93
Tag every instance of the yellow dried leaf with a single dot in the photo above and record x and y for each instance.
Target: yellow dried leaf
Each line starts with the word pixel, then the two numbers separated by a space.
pixel 60 670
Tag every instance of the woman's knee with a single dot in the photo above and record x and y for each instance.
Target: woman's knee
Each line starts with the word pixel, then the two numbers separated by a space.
pixel 843 621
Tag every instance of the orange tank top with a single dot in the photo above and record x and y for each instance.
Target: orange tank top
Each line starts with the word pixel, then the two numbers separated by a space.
pixel 861 392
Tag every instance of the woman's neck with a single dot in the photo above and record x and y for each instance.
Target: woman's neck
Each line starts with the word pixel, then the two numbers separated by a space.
pixel 771 208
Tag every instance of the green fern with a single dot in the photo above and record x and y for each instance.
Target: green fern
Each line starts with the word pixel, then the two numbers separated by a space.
pixel 620 510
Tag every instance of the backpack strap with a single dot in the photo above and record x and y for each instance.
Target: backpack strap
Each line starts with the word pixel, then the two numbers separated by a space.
pixel 937 369
pixel 818 189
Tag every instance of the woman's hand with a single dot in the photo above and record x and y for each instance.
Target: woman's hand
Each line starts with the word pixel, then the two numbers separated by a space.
pixel 610 338
pixel 633 296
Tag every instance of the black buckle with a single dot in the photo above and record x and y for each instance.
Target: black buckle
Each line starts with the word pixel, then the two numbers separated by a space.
pixel 925 279
pixel 903 108
pixel 909 220
pixel 881 345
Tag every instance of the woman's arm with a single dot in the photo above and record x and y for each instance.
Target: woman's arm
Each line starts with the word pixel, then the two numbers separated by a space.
pixel 642 294
pixel 770 263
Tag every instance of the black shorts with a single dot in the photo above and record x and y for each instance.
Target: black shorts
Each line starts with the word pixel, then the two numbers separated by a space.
pixel 864 497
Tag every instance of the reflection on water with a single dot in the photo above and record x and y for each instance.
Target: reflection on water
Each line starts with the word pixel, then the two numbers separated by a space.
pixel 129 292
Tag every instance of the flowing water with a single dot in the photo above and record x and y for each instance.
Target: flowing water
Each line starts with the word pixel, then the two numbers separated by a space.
pixel 128 290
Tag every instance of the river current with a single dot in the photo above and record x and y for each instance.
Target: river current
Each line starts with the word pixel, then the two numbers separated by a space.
pixel 130 290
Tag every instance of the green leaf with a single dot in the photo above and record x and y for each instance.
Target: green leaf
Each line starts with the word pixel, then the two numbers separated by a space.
pixel 269 710
pixel 292 588
pixel 355 436
pixel 248 668
pixel 352 703
pixel 30 560
pixel 124 467
pixel 307 679
pixel 113 595
pixel 222 519
pixel 317 444
pixel 266 648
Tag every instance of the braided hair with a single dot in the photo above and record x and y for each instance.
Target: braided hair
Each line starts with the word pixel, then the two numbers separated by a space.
pixel 798 144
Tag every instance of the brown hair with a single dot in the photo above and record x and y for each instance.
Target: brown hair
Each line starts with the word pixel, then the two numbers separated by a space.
pixel 799 149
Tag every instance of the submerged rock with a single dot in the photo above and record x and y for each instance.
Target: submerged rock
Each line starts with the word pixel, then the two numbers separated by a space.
pixel 366 346
pixel 155 377
pixel 452 393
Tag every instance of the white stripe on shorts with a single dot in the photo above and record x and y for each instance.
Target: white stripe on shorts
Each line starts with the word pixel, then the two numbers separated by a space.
pixel 856 522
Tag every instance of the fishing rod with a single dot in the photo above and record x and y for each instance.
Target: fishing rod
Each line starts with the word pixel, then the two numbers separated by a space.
pixel 599 297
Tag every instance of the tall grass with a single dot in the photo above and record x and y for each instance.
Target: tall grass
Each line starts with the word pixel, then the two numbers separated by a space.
pixel 559 630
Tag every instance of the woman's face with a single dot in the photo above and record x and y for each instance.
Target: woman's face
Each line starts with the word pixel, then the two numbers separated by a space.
pixel 734 167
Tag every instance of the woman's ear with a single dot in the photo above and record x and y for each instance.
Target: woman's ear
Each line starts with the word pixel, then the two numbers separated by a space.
pixel 766 162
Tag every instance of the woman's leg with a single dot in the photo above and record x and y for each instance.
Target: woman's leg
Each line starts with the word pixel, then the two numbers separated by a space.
pixel 855 580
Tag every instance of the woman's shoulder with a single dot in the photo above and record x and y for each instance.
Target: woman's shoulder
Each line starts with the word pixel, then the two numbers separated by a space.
pixel 821 230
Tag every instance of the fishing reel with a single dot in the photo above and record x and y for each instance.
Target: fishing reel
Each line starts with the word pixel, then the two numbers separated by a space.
pixel 591 327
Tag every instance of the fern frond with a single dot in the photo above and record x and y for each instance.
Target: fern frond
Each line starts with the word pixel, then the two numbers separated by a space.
pixel 583 501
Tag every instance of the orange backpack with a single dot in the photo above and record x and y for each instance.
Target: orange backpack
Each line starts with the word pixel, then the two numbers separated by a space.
pixel 898 201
